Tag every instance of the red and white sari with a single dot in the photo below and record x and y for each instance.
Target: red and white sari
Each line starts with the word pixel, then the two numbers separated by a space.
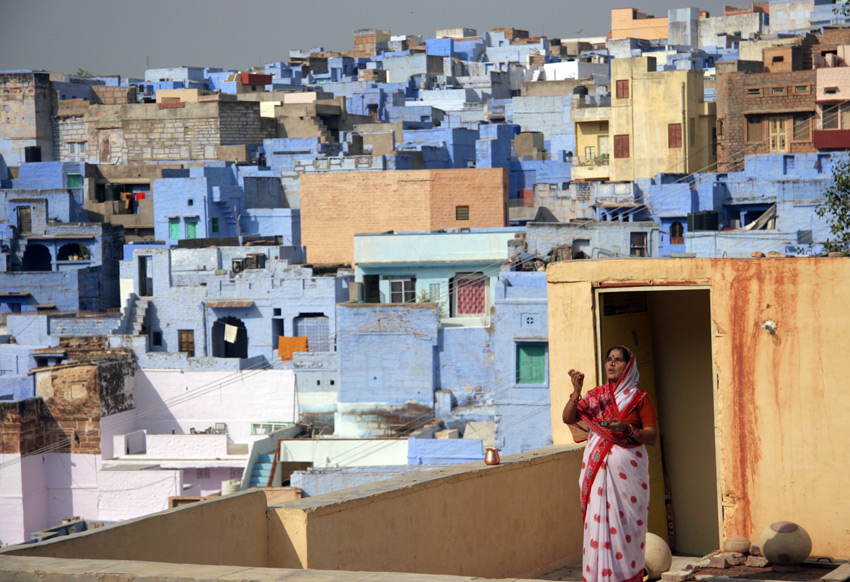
pixel 614 485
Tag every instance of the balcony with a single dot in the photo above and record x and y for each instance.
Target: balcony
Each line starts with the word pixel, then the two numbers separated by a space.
pixel 831 139
pixel 591 169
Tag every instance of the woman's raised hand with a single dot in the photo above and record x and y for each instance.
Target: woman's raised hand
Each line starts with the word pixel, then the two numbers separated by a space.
pixel 577 379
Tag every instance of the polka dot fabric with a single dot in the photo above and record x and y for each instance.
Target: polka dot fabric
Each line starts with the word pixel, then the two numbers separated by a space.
pixel 615 522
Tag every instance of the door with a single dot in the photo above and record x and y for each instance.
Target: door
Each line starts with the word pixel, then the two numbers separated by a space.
pixel 24 219
pixel 145 277
pixel 187 341
pixel 778 135
pixel 191 229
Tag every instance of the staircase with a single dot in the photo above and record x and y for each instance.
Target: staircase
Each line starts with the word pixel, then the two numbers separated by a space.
pixel 261 472
pixel 134 316
pixel 324 134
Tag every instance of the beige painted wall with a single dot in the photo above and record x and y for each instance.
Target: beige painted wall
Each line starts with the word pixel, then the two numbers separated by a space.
pixel 336 206
pixel 781 404
pixel 228 530
pixel 518 519
pixel 685 398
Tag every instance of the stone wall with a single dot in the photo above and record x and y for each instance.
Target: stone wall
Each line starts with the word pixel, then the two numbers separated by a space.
pixel 26 103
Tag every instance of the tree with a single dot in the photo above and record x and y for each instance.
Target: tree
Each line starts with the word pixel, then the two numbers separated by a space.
pixel 836 207
pixel 83 74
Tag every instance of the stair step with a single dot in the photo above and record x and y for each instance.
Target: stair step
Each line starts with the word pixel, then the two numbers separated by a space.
pixel 265 458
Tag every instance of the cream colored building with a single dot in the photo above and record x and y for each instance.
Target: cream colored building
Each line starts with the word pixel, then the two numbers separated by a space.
pixel 660 122
pixel 744 360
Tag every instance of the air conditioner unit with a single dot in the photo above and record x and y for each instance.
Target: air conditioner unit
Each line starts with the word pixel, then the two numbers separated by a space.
pixel 237 266
pixel 251 262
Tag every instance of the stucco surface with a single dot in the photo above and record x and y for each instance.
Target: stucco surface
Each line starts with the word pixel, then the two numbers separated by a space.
pixel 780 408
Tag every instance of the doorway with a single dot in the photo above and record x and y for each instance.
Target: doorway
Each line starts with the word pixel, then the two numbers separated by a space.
pixel 670 332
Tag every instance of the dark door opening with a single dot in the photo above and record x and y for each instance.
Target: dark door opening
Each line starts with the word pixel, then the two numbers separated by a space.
pixel 24 219
pixel 670 333
pixel 145 276
pixel 36 258
pixel 229 338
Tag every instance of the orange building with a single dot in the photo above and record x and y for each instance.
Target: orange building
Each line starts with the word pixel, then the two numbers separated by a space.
pixel 336 206
pixel 629 23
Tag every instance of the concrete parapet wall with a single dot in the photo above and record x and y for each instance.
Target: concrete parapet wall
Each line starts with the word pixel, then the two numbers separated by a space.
pixel 520 518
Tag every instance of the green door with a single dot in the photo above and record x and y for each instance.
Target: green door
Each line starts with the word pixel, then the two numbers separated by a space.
pixel 531 363
pixel 174 228
pixel 191 229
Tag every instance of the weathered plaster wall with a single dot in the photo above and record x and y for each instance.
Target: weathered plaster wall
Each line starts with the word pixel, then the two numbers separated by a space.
pixel 771 466
pixel 128 493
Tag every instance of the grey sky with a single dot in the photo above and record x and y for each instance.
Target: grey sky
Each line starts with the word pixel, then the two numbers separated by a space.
pixel 118 36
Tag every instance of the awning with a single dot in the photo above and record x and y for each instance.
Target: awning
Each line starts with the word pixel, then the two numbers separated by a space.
pixel 14 293
pixel 230 304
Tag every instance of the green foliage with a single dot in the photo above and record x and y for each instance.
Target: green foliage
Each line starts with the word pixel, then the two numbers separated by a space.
pixel 83 74
pixel 842 7
pixel 425 297
pixel 836 207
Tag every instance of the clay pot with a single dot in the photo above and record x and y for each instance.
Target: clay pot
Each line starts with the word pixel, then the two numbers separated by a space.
pixel 737 544
pixel 785 545
pixel 658 556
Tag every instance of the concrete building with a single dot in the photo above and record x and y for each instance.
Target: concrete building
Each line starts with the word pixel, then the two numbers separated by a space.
pixel 729 330
pixel 337 206
pixel 27 98
pixel 660 121
pixel 207 308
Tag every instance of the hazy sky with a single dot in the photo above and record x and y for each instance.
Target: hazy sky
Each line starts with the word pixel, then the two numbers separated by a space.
pixel 121 36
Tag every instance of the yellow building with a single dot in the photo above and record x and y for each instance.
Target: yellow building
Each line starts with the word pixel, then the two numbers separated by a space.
pixel 630 23
pixel 660 122
pixel 745 363
pixel 593 142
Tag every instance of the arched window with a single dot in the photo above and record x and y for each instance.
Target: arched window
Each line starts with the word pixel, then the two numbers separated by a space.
pixel 677 234
pixel 73 252
pixel 36 258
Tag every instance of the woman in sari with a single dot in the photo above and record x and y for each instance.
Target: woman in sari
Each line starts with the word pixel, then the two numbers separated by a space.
pixel 614 478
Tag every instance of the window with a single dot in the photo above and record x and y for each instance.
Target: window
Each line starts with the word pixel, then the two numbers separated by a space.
pixel 156 338
pixel 276 312
pixel 720 124
pixel 777 91
pixel 192 228
pixel 754 128
pixel 434 292
pixel 623 89
pixel 403 291
pixel 801 88
pixel 801 127
pixel 186 341
pixel 789 163
pixel 469 294
pixel 589 153
pixel 778 134
pixel 779 59
pixel 461 212
pixel 191 202
pixel 692 131
pixel 674 135
pixel 637 244
pixel 830 90
pixel 215 225
pixel 173 228
pixel 531 363
pixel 754 92
pixel 621 146
pixel 677 234
pixel 202 473
pixel 75 181
pixel 267 427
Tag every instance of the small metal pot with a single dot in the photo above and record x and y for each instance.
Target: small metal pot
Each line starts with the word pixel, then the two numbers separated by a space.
pixel 492 457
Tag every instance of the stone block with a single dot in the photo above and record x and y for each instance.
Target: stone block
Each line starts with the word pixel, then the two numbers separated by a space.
pixel 718 561
pixel 757 562
pixel 448 434
pixel 734 558
pixel 679 576
pixel 755 550
pixel 840 574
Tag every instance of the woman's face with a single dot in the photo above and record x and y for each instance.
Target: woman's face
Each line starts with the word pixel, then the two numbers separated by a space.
pixel 615 365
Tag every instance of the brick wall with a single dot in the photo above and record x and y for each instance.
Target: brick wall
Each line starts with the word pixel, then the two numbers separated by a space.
pixel 103 95
pixel 21 426
pixel 240 123
pixel 734 103
pixel 336 206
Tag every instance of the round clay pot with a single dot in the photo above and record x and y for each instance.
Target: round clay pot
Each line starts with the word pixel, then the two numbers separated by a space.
pixel 659 558
pixel 785 545
pixel 737 544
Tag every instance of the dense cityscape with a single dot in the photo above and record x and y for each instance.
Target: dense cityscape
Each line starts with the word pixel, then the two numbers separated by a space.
pixel 342 278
